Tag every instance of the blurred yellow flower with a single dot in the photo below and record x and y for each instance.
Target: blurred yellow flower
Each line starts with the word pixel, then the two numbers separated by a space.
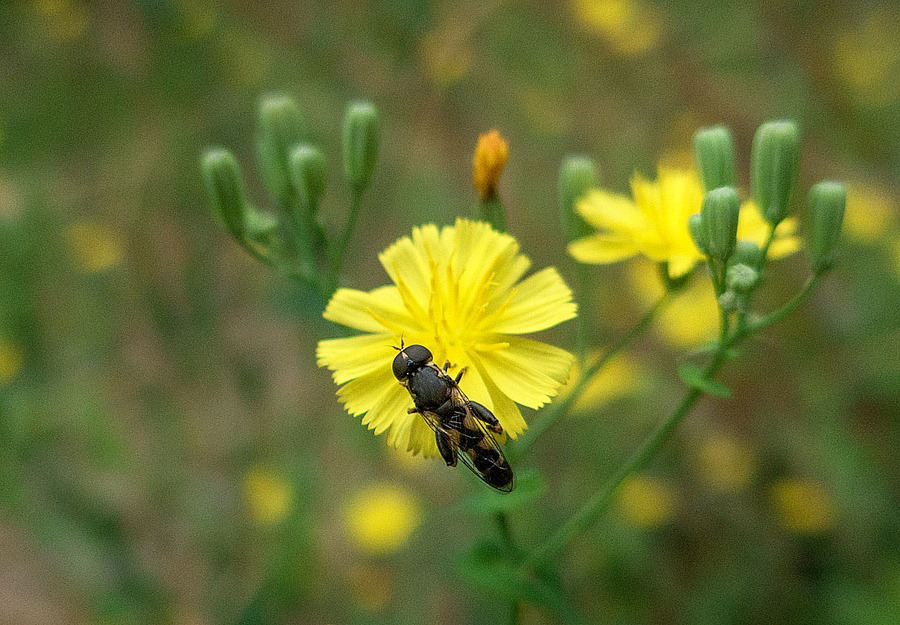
pixel 64 20
pixel 802 506
pixel 446 55
pixel 11 359
pixel 725 463
pixel 267 495
pixel 653 222
pixel 867 58
pixel 459 292
pixel 690 319
pixel 870 214
pixel 94 246
pixel 645 501
pixel 620 377
pixel 629 27
pixel 370 586
pixel 488 162
pixel 380 518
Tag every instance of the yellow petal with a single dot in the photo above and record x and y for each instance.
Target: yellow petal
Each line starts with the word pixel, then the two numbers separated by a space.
pixel 361 394
pixel 352 357
pixel 680 265
pixel 502 406
pixel 351 308
pixel 611 211
pixel 390 409
pixel 405 259
pixel 521 379
pixel 421 438
pixel 601 249
pixel 540 302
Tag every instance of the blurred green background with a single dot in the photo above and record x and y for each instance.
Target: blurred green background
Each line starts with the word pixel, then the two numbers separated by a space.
pixel 169 452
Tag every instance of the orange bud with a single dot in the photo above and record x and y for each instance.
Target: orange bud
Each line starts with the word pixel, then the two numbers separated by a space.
pixel 488 163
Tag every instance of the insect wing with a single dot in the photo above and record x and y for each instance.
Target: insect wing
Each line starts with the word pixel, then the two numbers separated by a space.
pixel 491 449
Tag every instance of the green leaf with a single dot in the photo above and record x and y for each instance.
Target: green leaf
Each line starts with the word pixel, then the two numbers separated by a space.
pixel 486 566
pixel 693 377
pixel 529 486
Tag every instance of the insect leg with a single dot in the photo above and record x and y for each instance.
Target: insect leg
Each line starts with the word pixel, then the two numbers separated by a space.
pixel 485 415
pixel 460 374
pixel 445 448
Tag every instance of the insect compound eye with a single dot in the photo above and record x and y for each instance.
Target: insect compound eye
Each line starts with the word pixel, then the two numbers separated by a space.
pixel 418 354
pixel 401 366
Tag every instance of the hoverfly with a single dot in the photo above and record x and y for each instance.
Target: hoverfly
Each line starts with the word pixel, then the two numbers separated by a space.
pixel 464 429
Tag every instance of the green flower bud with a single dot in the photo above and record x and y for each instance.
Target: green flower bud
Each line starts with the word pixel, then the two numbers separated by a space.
pixel 773 168
pixel 577 175
pixel 729 301
pixel 721 208
pixel 747 253
pixel 361 136
pixel 741 278
pixel 225 189
pixel 698 232
pixel 827 201
pixel 714 153
pixel 281 127
pixel 308 172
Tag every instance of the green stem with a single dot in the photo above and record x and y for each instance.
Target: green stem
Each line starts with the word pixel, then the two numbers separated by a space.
pixel 585 315
pixel 491 210
pixel 555 411
pixel 300 275
pixel 764 256
pixel 597 504
pixel 344 241
pixel 795 303
pixel 502 521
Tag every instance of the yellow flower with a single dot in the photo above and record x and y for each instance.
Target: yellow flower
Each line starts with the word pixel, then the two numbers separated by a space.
pixel 653 222
pixel 870 213
pixel 380 518
pixel 490 158
pixel 620 377
pixel 268 496
pixel 802 506
pixel 645 501
pixel 11 359
pixel 94 246
pixel 725 463
pixel 629 27
pixel 459 292
pixel 689 319
pixel 867 59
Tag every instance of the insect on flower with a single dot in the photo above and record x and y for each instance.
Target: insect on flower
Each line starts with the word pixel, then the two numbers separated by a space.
pixel 464 429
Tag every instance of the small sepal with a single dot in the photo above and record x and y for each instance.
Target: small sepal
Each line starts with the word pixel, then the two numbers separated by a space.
pixel 747 253
pixel 741 278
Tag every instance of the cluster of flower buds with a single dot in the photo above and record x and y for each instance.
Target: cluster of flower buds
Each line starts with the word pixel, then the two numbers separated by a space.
pixel 737 266
pixel 294 171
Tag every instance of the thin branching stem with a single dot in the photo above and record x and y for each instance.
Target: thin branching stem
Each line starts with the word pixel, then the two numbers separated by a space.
pixel 555 411
pixel 344 241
